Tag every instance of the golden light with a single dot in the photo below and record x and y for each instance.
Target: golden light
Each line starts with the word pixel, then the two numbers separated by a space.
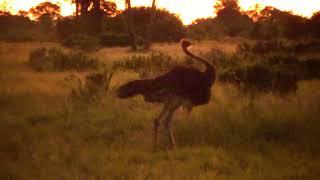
pixel 25 5
pixel 188 10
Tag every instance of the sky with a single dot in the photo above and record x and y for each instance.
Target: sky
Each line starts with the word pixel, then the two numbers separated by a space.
pixel 188 10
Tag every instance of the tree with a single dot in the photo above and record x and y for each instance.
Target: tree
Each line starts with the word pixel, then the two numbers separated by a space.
pixel 90 13
pixel 165 26
pixel 23 13
pixel 108 8
pixel 274 23
pixel 4 7
pixel 315 24
pixel 151 23
pixel 104 7
pixel 206 28
pixel 4 13
pixel 231 18
pixel 48 9
pixel 46 14
pixel 226 5
pixel 254 14
pixel 129 20
pixel 15 28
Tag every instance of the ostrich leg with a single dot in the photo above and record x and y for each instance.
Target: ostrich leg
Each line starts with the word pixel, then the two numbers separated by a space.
pixel 157 125
pixel 171 109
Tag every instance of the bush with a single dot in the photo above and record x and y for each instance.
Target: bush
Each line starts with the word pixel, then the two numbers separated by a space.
pixel 95 85
pixel 111 39
pixel 55 59
pixel 223 60
pixel 146 65
pixel 18 37
pixel 279 46
pixel 81 41
pixel 310 69
pixel 16 28
pixel 280 79
pixel 165 26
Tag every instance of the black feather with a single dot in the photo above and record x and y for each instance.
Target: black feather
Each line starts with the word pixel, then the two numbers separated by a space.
pixel 133 88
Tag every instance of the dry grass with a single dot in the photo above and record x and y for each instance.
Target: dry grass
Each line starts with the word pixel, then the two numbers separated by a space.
pixel 43 136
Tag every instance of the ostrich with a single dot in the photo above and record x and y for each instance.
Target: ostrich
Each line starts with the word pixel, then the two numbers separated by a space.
pixel 182 86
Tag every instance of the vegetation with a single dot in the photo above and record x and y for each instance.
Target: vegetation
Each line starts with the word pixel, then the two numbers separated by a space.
pixel 82 41
pixel 54 59
pixel 266 66
pixel 60 119
pixel 104 18
pixel 112 39
pixel 92 89
pixel 146 66
pixel 268 23
pixel 53 128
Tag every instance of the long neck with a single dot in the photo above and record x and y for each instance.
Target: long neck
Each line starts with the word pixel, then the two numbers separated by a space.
pixel 210 69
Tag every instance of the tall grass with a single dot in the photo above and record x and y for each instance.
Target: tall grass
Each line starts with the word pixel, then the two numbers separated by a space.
pixel 55 59
pixel 43 136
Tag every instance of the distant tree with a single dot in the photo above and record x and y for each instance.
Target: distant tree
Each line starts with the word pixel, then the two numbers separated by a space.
pixel 4 7
pixel 15 28
pixel 81 6
pixel 129 20
pixel 90 13
pixel 4 13
pixel 89 19
pixel 234 21
pixel 165 26
pixel 46 14
pixel 68 26
pixel 48 9
pixel 254 14
pixel 23 13
pixel 315 24
pixel 109 8
pixel 105 7
pixel 274 23
pixel 206 28
pixel 149 28
pixel 221 5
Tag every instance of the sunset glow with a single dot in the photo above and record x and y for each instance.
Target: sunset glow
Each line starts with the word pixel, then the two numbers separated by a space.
pixel 187 10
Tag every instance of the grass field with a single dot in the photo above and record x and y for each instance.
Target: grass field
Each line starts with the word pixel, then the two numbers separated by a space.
pixel 43 135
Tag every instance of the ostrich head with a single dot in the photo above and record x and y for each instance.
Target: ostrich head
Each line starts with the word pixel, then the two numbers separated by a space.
pixel 185 43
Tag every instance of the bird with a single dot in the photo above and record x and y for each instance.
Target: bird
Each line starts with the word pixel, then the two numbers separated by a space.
pixel 181 86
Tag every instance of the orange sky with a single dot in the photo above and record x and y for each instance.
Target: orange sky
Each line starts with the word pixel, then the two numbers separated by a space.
pixel 188 10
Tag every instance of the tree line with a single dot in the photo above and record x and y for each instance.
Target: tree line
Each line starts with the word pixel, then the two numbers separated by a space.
pixel 139 26
pixel 268 23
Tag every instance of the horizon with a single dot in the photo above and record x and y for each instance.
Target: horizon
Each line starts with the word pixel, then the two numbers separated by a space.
pixel 188 12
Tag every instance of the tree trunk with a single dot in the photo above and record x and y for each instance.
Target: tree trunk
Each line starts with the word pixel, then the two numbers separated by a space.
pixel 97 16
pixel 96 5
pixel 130 25
pixel 150 25
pixel 77 8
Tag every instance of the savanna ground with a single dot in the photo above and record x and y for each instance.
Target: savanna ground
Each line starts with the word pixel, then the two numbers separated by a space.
pixel 45 136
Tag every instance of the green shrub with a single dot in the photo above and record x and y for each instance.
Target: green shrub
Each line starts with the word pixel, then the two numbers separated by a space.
pixel 111 39
pixel 81 41
pixel 55 59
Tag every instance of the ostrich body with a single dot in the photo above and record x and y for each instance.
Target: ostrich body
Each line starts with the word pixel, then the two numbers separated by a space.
pixel 182 86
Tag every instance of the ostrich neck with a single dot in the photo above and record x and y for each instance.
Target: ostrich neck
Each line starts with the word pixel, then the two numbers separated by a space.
pixel 210 71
